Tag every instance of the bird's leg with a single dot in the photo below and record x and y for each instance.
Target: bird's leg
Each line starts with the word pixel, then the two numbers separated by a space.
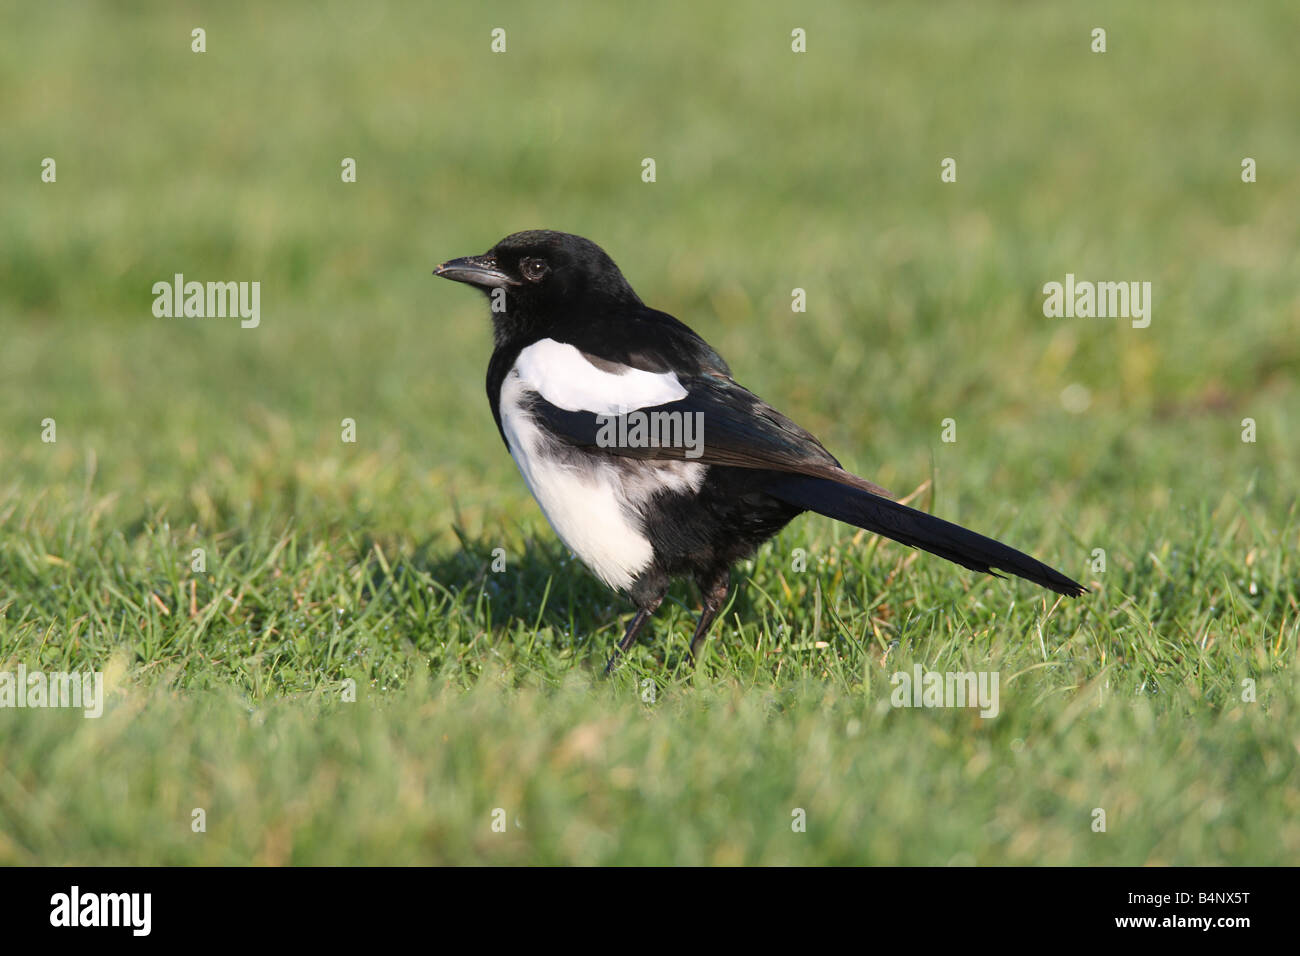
pixel 713 590
pixel 629 636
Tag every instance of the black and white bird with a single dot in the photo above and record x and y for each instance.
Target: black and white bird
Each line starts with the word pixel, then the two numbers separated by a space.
pixel 596 396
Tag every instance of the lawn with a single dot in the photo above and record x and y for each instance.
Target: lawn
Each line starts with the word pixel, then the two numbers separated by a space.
pixel 376 651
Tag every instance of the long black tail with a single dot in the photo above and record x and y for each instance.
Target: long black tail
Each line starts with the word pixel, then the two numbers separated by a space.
pixel 916 528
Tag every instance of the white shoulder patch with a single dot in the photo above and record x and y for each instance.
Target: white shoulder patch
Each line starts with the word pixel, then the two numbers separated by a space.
pixel 561 375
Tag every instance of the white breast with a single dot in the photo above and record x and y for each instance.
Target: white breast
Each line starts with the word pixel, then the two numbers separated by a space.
pixel 592 502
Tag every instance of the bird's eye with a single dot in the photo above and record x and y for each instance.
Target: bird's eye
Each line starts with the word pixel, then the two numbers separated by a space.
pixel 533 269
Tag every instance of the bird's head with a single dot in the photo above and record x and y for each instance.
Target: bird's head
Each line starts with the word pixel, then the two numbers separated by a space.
pixel 539 276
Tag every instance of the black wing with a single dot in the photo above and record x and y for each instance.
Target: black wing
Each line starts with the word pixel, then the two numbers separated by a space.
pixel 731 426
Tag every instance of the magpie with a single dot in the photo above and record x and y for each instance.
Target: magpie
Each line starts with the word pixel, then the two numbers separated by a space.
pixel 582 372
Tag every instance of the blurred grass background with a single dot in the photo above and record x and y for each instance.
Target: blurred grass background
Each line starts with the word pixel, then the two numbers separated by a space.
pixel 774 171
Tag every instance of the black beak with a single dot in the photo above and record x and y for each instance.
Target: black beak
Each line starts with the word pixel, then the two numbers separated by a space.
pixel 481 271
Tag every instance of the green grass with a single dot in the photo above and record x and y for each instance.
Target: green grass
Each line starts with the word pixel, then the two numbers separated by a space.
pixel 332 565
